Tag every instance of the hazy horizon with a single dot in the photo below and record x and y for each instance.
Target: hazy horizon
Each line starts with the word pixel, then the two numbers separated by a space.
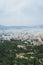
pixel 21 12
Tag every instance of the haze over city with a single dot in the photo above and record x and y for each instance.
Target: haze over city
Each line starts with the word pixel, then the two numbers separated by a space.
pixel 21 12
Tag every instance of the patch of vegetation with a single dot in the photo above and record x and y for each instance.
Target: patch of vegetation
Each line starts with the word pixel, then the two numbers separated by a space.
pixel 11 54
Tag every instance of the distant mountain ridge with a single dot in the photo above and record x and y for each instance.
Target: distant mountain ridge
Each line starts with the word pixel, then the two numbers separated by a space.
pixel 2 27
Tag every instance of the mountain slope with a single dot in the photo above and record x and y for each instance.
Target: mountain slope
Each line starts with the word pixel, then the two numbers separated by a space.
pixel 2 27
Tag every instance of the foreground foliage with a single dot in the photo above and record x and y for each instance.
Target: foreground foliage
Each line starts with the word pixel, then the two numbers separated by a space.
pixel 11 54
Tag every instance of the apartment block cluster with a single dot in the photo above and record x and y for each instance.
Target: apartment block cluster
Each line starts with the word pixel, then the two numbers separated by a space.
pixel 35 38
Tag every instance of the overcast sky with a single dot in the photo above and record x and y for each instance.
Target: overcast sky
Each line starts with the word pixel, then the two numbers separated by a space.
pixel 21 12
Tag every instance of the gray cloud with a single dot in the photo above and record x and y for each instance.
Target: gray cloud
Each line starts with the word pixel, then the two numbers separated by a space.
pixel 21 12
